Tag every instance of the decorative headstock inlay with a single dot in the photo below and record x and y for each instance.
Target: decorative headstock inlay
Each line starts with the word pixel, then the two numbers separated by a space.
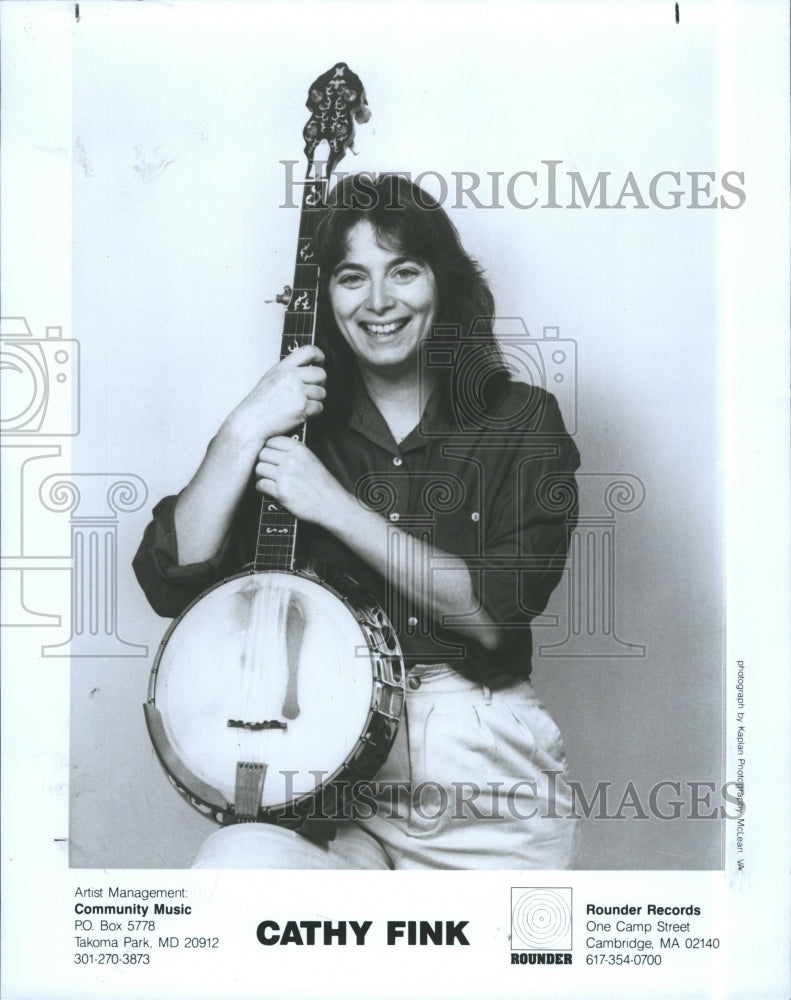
pixel 336 100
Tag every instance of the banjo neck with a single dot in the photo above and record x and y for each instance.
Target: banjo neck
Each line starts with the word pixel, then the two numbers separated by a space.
pixel 336 100
pixel 277 528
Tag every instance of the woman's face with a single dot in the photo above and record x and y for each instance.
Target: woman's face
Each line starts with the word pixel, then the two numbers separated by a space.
pixel 384 303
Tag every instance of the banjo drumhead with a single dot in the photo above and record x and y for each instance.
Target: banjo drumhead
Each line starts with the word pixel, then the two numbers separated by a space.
pixel 285 661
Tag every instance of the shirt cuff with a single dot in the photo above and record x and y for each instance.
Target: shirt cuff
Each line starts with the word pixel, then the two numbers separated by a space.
pixel 163 548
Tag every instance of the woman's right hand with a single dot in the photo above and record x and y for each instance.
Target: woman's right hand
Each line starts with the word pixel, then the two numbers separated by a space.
pixel 284 397
pixel 287 395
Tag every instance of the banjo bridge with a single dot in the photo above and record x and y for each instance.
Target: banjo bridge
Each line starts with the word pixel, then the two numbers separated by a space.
pixel 257 726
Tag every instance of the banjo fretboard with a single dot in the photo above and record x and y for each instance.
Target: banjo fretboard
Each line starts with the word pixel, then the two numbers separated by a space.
pixel 277 529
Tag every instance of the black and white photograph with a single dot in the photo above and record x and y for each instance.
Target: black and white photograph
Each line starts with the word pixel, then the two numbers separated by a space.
pixel 395 479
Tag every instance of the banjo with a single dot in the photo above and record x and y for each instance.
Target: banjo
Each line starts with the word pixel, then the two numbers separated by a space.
pixel 275 691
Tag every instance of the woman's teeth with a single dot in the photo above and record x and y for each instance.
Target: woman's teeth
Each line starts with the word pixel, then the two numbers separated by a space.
pixel 383 328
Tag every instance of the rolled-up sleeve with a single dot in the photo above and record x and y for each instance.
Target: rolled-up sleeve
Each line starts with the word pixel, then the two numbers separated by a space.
pixel 530 512
pixel 168 586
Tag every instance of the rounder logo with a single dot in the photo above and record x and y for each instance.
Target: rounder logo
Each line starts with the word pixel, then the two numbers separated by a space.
pixel 541 919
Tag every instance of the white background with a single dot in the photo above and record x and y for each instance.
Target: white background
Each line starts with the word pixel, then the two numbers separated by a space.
pixel 141 211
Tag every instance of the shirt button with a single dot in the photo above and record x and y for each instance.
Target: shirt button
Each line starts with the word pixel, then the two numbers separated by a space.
pixel 394 516
pixel 475 516
pixel 398 461
pixel 413 682
pixel 411 622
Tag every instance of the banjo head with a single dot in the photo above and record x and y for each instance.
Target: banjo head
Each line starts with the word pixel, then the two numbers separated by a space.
pixel 281 674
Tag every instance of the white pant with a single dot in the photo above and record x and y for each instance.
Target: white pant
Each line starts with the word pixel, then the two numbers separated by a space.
pixel 475 779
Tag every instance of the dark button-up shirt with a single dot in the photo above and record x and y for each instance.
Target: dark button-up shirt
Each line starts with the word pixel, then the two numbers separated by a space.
pixel 496 490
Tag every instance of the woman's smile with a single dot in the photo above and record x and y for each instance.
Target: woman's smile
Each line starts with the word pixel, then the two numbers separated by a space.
pixel 384 303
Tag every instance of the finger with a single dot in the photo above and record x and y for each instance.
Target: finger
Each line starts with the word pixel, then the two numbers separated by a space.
pixel 274 448
pixel 315 392
pixel 278 445
pixel 312 374
pixel 268 486
pixel 309 354
pixel 265 467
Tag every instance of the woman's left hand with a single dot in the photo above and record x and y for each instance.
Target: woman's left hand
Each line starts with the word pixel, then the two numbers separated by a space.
pixel 289 472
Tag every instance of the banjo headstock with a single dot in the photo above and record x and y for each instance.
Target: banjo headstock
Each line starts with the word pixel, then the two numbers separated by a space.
pixel 336 100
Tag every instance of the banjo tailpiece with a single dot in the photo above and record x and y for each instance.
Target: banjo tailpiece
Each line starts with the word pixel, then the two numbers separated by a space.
pixel 249 788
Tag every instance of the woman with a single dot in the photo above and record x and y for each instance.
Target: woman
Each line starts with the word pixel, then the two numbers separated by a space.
pixel 420 444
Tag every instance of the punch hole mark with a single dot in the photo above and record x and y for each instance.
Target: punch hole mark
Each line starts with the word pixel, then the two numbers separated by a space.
pixel 77 12
pixel 677 14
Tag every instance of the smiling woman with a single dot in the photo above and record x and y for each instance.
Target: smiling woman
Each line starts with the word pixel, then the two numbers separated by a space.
pixel 432 480
pixel 412 242
pixel 383 304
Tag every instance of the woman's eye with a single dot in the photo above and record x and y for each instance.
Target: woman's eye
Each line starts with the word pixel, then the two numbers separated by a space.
pixel 350 280
pixel 406 273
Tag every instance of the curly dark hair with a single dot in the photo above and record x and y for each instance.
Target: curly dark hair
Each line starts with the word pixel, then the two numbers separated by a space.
pixel 411 221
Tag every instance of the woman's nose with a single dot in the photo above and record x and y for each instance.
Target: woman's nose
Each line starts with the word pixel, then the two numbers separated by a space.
pixel 379 297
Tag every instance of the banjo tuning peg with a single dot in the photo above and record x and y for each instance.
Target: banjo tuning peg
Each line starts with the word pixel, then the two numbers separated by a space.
pixel 283 297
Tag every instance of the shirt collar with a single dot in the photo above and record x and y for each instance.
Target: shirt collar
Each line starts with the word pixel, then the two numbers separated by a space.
pixel 366 419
